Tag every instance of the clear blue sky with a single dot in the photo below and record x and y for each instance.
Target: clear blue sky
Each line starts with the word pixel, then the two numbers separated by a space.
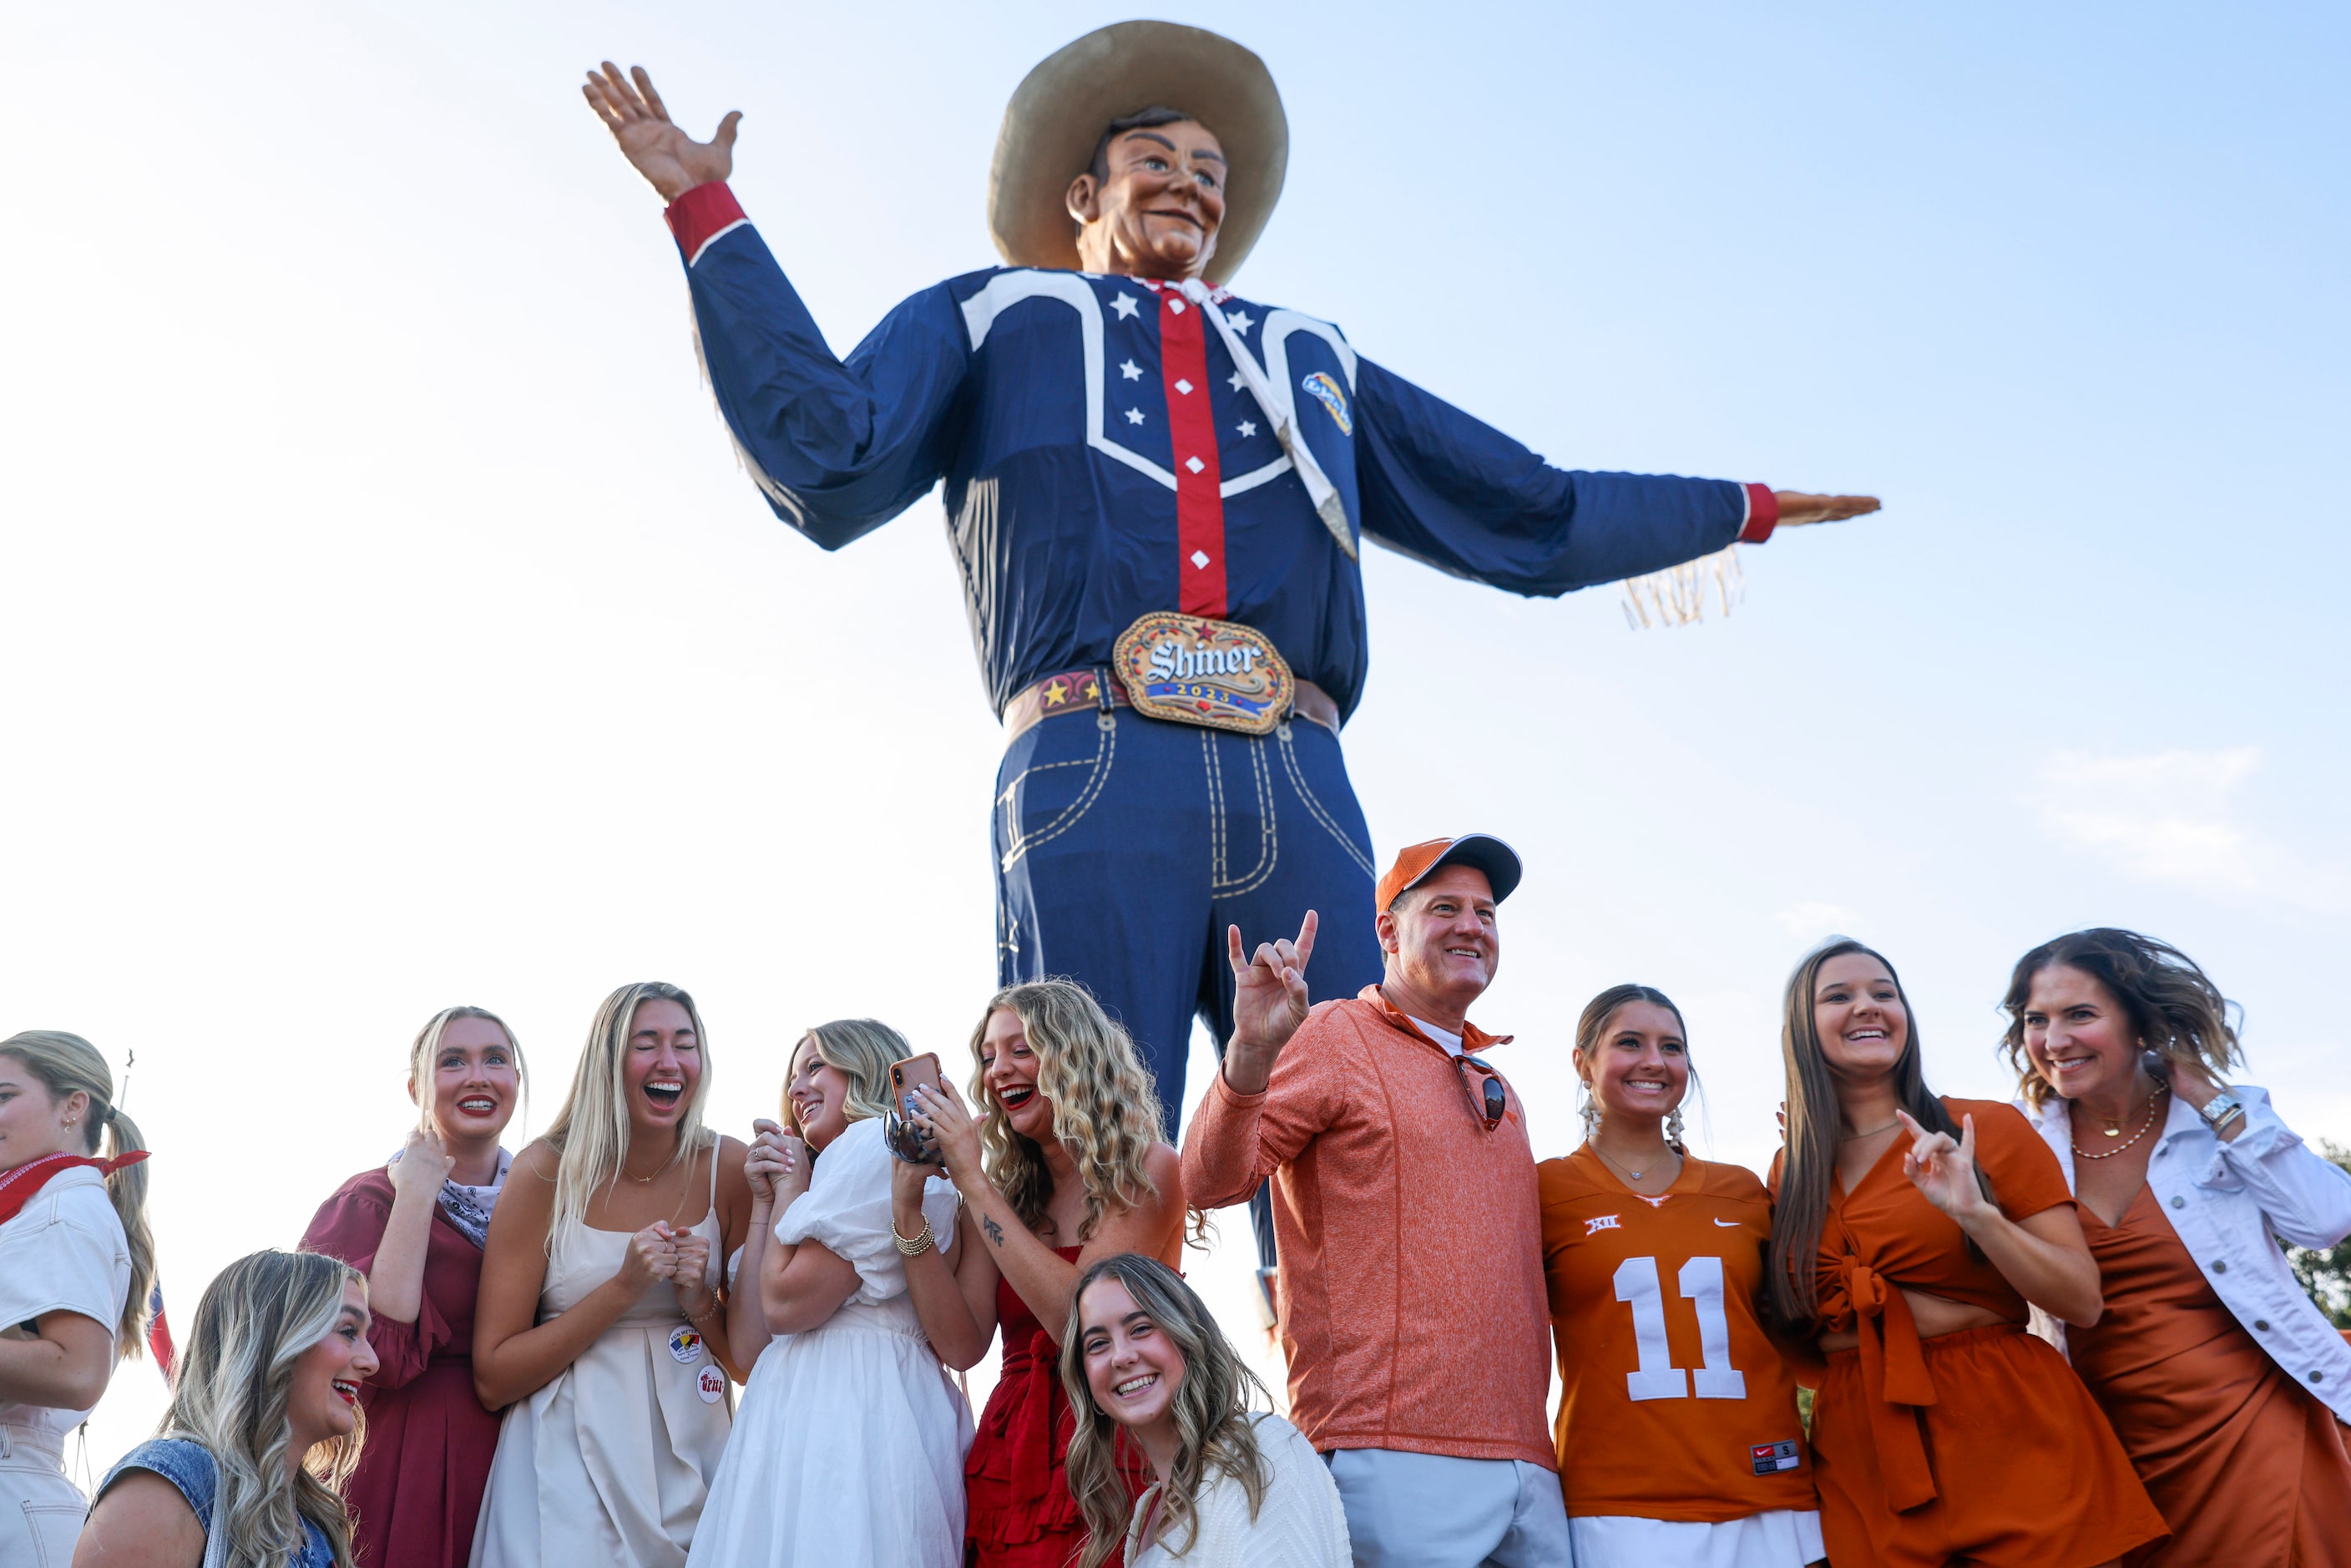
pixel 388 625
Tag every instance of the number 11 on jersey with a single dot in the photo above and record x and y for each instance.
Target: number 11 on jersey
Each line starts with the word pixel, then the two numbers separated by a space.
pixel 1658 1378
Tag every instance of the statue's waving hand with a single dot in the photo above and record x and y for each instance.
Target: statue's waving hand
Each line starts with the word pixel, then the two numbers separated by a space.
pixel 672 161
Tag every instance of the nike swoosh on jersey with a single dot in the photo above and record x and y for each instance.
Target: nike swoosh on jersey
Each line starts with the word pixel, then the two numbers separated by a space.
pixel 1732 1224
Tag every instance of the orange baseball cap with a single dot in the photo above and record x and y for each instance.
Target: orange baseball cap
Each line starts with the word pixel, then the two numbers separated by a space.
pixel 1415 864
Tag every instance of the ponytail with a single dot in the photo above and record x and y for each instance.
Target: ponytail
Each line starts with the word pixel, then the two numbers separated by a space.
pixel 68 1064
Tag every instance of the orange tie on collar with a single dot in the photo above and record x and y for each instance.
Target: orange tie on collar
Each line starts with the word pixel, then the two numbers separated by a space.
pixel 1895 1376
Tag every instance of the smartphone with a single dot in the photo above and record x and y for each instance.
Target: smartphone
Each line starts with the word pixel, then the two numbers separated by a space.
pixel 905 1139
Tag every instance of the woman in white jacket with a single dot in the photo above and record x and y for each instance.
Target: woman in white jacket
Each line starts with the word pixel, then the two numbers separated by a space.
pixel 2228 1387
pixel 1143 1361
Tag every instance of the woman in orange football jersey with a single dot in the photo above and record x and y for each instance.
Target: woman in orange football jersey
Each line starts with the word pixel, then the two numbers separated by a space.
pixel 1943 1432
pixel 1679 1445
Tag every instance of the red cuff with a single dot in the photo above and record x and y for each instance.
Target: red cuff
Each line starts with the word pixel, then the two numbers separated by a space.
pixel 701 216
pixel 1763 505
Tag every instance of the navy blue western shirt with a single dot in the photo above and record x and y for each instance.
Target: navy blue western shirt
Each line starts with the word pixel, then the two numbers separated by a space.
pixel 1103 459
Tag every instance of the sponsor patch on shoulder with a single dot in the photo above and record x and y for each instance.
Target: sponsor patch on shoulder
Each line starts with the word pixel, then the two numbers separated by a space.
pixel 1323 388
pixel 1771 1458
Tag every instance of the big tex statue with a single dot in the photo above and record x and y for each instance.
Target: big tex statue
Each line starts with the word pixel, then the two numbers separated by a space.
pixel 1157 490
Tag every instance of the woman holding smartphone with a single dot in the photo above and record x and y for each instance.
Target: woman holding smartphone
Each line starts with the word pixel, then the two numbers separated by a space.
pixel 1064 1167
pixel 1909 1236
pixel 416 1228
pixel 849 1452
pixel 1143 1358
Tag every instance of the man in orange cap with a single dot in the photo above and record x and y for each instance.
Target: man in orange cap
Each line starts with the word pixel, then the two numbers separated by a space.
pixel 1412 1310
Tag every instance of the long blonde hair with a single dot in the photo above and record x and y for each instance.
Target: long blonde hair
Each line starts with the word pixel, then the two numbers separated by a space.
pixel 590 1133
pixel 863 1050
pixel 230 1393
pixel 68 1064
pixel 1106 1108
pixel 420 1068
pixel 1214 1431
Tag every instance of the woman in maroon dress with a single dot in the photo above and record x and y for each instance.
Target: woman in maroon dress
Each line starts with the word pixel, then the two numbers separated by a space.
pixel 1064 1166
pixel 416 1229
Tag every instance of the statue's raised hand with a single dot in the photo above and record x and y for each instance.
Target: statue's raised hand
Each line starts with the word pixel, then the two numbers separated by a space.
pixel 672 161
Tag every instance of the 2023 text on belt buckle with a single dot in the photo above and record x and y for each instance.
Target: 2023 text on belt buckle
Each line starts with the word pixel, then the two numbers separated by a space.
pixel 1193 670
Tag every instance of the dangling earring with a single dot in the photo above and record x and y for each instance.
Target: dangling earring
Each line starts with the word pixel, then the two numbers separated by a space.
pixel 1674 1130
pixel 1591 1111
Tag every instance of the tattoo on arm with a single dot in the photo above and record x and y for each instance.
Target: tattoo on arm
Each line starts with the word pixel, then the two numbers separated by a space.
pixel 995 1231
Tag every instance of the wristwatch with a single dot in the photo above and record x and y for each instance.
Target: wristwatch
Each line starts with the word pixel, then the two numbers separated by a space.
pixel 2218 1110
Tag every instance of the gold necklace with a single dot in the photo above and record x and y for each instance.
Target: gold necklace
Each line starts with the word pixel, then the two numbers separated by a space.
pixel 1856 1137
pixel 2152 1101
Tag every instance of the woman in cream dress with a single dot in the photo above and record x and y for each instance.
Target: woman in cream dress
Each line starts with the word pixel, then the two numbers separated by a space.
pixel 849 1450
pixel 601 1329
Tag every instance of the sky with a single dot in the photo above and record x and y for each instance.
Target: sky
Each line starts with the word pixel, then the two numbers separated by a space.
pixel 390 625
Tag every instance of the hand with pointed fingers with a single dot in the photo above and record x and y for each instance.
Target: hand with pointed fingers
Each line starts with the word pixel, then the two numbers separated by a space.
pixel 1798 508
pixel 1945 1170
pixel 672 161
pixel 1269 1002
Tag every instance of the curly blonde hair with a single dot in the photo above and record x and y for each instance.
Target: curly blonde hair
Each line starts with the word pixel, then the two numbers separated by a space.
pixel 1105 1109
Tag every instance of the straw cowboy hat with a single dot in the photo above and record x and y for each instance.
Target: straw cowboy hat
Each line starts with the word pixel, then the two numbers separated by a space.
pixel 1061 109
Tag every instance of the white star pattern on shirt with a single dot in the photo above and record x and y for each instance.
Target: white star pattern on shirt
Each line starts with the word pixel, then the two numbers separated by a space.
pixel 1130 371
pixel 1125 306
pixel 1240 321
pixel 1135 416
pixel 1234 380
pixel 1247 429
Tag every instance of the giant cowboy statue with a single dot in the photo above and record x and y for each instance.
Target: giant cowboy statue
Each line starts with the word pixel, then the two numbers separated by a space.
pixel 1157 490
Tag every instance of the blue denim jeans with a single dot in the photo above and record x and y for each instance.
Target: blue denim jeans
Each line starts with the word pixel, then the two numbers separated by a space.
pixel 1124 846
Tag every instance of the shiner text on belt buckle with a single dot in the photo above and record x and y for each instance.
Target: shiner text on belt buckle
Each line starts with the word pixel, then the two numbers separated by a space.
pixel 1196 670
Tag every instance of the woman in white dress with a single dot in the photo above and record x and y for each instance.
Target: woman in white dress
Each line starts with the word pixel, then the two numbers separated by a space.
pixel 601 1329
pixel 848 1450
pixel 1236 1488
pixel 75 1267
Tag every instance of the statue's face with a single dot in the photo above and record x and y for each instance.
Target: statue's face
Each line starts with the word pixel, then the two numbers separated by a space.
pixel 1155 216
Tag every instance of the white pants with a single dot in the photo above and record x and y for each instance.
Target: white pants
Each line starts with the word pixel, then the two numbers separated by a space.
pixel 40 1510
pixel 1431 1510
pixel 1783 1538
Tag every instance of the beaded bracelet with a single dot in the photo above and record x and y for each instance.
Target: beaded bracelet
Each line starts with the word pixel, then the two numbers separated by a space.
pixel 916 1245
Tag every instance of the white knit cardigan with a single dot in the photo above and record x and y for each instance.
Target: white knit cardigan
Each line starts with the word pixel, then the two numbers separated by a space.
pixel 1299 1525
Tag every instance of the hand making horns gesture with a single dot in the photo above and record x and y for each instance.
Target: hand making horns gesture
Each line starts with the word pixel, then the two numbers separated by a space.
pixel 672 161
pixel 1268 1003
pixel 1945 1170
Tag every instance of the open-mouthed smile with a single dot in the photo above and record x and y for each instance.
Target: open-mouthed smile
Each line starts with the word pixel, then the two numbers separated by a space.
pixel 1135 1384
pixel 477 1105
pixel 1012 1096
pixel 346 1391
pixel 664 1092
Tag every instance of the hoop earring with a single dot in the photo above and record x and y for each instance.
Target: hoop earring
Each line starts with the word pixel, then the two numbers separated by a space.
pixel 1674 1130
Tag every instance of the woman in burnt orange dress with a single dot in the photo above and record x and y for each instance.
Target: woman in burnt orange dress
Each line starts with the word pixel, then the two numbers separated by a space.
pixel 2226 1386
pixel 1910 1234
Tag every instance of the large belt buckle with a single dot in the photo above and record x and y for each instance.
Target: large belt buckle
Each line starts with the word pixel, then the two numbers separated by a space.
pixel 1193 670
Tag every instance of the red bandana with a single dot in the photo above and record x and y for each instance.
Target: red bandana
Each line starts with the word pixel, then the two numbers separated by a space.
pixel 21 1185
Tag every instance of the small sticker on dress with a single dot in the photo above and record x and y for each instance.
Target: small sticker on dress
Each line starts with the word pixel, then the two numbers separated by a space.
pixel 711 1383
pixel 684 1345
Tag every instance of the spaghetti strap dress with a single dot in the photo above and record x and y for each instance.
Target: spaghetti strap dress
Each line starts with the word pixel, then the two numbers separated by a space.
pixel 1022 1515
pixel 2245 1466
pixel 610 1462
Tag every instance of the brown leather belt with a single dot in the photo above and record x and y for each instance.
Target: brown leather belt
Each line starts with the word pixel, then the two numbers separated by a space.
pixel 1081 691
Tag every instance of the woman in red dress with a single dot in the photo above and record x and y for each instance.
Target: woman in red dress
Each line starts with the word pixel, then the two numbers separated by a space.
pixel 416 1229
pixel 1064 1166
